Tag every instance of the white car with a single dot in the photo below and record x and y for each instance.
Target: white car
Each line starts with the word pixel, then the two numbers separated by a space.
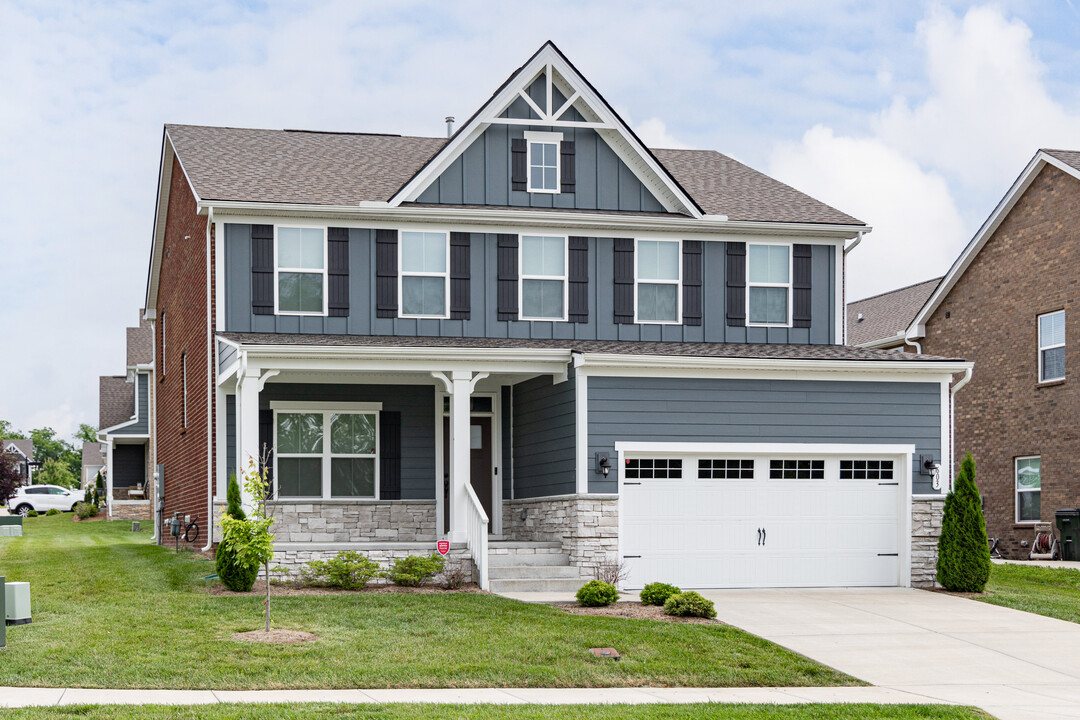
pixel 42 498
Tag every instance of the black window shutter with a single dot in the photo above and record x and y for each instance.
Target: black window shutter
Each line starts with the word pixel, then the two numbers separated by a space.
pixel 800 284
pixel 386 272
pixel 508 276
pixel 337 272
pixel 519 166
pixel 262 269
pixel 390 455
pixel 736 284
pixel 691 261
pixel 266 443
pixel 579 280
pixel 624 281
pixel 459 275
pixel 567 172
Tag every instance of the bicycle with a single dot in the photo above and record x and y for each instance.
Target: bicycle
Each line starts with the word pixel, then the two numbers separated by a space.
pixel 191 530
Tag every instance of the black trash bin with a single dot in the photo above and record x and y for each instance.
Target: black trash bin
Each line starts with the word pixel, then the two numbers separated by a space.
pixel 1068 525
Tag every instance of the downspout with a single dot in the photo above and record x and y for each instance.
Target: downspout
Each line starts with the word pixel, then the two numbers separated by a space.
pixel 915 344
pixel 952 418
pixel 209 384
pixel 154 512
pixel 843 285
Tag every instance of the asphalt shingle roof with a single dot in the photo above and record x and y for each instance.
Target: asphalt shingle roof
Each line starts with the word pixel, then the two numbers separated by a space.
pixel 621 347
pixel 26 446
pixel 1070 157
pixel 116 400
pixel 91 453
pixel 140 345
pixel 317 168
pixel 885 315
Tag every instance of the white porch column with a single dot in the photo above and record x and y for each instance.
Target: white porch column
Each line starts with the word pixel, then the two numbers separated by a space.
pixel 247 430
pixel 461 385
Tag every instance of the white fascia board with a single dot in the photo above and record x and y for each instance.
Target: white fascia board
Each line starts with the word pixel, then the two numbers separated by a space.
pixel 764 448
pixel 168 154
pixel 917 328
pixel 491 219
pixel 896 340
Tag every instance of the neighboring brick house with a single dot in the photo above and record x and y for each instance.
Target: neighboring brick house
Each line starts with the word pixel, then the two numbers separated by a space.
pixel 126 422
pixel 1009 303
pixel 535 336
pixel 881 321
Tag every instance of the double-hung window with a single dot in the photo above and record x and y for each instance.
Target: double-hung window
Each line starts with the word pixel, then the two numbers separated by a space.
pixel 1028 489
pixel 300 254
pixel 326 453
pixel 659 273
pixel 425 264
pixel 769 285
pixel 543 277
pixel 1052 346
pixel 543 161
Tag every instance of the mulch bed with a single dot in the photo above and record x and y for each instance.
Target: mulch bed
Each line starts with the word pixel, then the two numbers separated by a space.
pixel 281 637
pixel 286 589
pixel 99 516
pixel 634 611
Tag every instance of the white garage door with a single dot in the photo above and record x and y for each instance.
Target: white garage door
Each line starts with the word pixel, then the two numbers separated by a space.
pixel 709 521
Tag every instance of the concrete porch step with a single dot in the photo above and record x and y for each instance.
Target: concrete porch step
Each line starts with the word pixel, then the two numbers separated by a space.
pixel 517 559
pixel 532 572
pixel 569 585
pixel 523 544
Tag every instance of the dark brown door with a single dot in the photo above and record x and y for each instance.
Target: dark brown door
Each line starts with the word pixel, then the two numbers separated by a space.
pixel 480 459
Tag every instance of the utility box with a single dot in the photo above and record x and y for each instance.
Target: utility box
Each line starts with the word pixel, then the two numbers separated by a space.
pixel 17 603
pixel 11 526
pixel 1068 525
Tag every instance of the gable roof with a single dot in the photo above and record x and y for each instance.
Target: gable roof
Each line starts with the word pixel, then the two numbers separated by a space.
pixel 24 446
pixel 1068 161
pixel 116 401
pixel 885 317
pixel 140 343
pixel 91 454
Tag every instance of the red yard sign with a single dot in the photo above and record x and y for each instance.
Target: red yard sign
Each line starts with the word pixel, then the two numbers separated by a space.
pixel 443 547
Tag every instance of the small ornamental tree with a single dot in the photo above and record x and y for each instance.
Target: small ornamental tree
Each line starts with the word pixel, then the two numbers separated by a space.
pixel 99 488
pixel 10 477
pixel 234 576
pixel 963 563
pixel 54 472
pixel 249 540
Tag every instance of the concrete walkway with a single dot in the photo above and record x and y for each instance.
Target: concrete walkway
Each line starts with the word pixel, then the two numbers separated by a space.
pixel 1041 563
pixel 23 697
pixel 1015 665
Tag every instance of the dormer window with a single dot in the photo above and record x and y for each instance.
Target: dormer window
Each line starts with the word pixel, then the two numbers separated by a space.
pixel 543 161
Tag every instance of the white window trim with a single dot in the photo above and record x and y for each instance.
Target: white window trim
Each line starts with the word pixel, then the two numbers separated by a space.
pixel 787 285
pixel 1017 490
pixel 183 371
pixel 444 275
pixel 547 138
pixel 307 271
pixel 522 277
pixel 677 283
pixel 1038 341
pixel 326 410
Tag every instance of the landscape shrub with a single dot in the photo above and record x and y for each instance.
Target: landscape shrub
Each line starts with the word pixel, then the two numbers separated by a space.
pixel 454 575
pixel 415 570
pixel 86 511
pixel 348 570
pixel 87 497
pixel 53 511
pixel 689 604
pixel 233 575
pixel 657 593
pixel 613 573
pixel 32 513
pixel 597 593
pixel 963 563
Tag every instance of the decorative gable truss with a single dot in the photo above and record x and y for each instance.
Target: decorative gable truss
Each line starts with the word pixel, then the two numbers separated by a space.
pixel 549 92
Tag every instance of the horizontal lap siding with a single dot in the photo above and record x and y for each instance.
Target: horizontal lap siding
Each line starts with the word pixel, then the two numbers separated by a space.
pixel 142 425
pixel 760 411
pixel 543 438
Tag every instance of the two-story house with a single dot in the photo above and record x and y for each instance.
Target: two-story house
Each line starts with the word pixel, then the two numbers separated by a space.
pixel 1007 304
pixel 536 336
pixel 22 449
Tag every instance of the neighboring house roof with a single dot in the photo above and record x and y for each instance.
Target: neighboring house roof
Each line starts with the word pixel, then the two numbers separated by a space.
pixel 116 400
pixel 24 446
pixel 140 344
pixel 318 168
pixel 884 318
pixel 682 349
pixel 1067 161
pixel 91 454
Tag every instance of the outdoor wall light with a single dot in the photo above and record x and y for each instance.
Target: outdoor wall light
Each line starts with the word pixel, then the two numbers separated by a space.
pixel 603 464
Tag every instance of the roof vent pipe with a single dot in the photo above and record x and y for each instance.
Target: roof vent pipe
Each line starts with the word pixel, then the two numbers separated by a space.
pixel 449 125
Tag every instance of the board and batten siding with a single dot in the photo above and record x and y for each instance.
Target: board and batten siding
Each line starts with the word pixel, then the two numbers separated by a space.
pixel 416 403
pixel 543 436
pixel 484 319
pixel 142 409
pixel 761 411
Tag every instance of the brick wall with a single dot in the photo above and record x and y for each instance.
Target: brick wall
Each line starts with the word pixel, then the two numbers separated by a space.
pixel 182 302
pixel 1027 268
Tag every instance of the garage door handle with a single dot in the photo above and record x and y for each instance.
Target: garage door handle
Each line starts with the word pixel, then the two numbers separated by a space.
pixel 764 536
pixel 895 483
pixel 759 536
pixel 626 557
pixel 888 554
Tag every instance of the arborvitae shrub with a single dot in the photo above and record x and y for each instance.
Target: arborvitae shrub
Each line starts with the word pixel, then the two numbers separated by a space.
pixel 232 575
pixel 963 563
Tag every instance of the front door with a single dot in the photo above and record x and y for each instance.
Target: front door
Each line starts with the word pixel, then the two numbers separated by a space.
pixel 480 458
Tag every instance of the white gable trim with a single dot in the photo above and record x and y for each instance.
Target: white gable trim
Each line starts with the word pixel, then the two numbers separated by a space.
pixel 12 447
pixel 917 329
pixel 550 61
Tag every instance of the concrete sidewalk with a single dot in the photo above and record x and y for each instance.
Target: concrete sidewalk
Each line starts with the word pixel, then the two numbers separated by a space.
pixel 23 697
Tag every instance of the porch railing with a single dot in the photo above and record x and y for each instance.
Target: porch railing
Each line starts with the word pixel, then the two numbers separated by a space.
pixel 476 536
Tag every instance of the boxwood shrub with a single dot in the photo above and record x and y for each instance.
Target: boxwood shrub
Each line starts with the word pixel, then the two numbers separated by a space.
pixel 597 593
pixel 689 604
pixel 415 570
pixel 657 593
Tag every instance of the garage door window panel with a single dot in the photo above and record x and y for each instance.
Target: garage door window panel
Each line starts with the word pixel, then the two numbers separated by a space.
pixel 796 469
pixel 866 469
pixel 653 469
pixel 725 469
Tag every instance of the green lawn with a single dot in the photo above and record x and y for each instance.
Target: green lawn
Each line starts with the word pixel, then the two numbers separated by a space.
pixel 502 712
pixel 111 610
pixel 1054 592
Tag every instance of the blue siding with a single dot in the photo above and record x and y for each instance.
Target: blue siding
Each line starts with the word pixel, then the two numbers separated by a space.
pixel 544 437
pixel 506 464
pixel 484 320
pixel 758 411
pixel 226 355
pixel 142 410
pixel 230 435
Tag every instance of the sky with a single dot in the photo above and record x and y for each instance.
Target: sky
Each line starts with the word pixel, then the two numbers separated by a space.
pixel 914 117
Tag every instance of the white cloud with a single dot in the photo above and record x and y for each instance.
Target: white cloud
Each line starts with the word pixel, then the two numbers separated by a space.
pixel 654 133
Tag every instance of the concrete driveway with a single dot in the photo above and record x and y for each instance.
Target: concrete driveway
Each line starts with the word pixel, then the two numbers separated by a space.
pixel 1012 664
